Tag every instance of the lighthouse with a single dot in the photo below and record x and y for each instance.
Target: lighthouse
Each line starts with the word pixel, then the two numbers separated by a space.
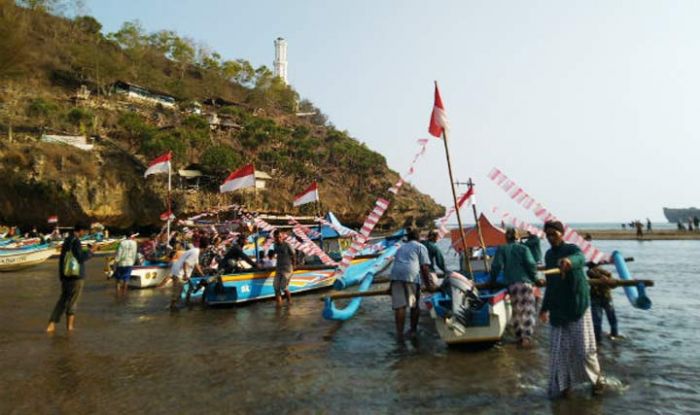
pixel 280 63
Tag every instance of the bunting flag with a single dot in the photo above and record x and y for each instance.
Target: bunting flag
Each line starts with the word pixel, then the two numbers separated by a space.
pixel 521 197
pixel 422 143
pixel 167 215
pixel 307 246
pixel 517 223
pixel 307 230
pixel 160 164
pixel 315 249
pixel 307 196
pixel 438 118
pixel 380 206
pixel 53 219
pixel 239 179
pixel 468 196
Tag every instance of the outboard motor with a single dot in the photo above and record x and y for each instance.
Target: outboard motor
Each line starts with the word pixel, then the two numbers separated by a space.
pixel 465 298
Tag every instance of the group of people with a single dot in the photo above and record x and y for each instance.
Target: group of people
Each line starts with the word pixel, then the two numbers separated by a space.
pixel 693 224
pixel 571 307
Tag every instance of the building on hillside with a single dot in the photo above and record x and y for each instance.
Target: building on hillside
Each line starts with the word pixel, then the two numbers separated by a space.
pixel 280 63
pixel 78 141
pixel 141 94
pixel 261 179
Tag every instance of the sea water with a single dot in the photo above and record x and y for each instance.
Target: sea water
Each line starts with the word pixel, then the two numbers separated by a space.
pixel 134 356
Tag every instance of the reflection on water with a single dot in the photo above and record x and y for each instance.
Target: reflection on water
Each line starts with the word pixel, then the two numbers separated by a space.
pixel 134 355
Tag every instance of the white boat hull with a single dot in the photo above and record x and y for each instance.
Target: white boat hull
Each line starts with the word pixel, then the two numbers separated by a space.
pixel 15 261
pixel 454 333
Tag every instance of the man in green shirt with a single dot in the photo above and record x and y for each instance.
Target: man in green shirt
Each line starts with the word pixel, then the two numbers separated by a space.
pixel 572 346
pixel 437 260
pixel 519 270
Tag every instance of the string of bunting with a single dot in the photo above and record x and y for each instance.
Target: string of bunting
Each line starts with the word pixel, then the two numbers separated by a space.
pixel 301 233
pixel 521 197
pixel 467 196
pixel 307 230
pixel 508 218
pixel 422 145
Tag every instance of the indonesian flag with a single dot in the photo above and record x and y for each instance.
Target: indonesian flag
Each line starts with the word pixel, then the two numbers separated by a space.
pixel 307 196
pixel 438 119
pixel 160 164
pixel 167 215
pixel 469 196
pixel 53 219
pixel 239 179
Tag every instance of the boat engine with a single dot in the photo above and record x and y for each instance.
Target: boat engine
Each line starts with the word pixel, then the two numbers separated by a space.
pixel 465 299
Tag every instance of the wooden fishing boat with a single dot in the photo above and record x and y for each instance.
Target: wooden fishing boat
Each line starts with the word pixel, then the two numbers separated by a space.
pixel 148 275
pixel 12 261
pixel 258 285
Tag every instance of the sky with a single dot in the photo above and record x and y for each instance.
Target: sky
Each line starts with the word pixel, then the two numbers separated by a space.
pixel 591 106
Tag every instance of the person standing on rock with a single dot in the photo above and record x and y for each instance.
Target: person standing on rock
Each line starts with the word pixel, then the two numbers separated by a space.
pixel 125 260
pixel 71 272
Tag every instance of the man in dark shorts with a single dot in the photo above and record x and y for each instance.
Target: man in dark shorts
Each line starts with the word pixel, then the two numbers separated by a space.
pixel 286 260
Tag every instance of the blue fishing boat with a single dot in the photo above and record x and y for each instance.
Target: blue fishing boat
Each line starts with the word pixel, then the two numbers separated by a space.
pixel 256 285
pixel 23 258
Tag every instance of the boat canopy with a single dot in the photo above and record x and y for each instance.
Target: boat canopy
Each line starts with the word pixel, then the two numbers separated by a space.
pixel 493 235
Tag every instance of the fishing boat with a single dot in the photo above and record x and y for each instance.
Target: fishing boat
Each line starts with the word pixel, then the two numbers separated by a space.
pixel 256 285
pixel 24 258
pixel 148 275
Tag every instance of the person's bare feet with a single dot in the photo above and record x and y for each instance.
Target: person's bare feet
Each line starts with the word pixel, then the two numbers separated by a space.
pixel 51 327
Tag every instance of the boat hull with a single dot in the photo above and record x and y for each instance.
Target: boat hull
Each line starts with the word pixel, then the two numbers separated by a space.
pixel 24 259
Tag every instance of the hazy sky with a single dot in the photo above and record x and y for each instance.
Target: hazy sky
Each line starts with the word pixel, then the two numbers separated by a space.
pixel 592 106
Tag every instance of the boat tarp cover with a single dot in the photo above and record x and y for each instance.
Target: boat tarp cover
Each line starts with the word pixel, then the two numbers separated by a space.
pixel 493 235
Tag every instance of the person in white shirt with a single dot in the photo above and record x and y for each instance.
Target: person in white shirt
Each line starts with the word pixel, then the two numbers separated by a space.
pixel 182 270
pixel 125 260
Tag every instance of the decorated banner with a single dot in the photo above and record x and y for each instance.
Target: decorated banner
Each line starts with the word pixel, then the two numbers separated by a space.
pixel 53 219
pixel 314 234
pixel 422 143
pixel 380 206
pixel 521 197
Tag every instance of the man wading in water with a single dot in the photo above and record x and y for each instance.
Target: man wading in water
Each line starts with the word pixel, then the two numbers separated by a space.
pixel 572 347
pixel 71 281
pixel 520 271
pixel 411 263
pixel 286 260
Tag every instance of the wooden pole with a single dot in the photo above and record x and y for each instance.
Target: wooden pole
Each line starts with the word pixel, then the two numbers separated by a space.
pixel 170 169
pixel 487 267
pixel 612 284
pixel 468 265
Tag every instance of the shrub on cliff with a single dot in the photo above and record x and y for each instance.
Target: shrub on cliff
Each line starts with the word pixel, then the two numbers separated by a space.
pixel 219 159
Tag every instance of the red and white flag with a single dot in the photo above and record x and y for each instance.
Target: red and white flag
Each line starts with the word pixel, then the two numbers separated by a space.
pixel 167 215
pixel 438 119
pixel 160 164
pixel 239 179
pixel 468 196
pixel 307 196
pixel 53 219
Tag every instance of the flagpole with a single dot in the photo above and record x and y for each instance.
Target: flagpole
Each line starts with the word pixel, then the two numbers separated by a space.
pixel 454 199
pixel 169 203
pixel 487 267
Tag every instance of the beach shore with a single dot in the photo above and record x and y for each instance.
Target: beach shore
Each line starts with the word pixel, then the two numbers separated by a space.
pixel 621 235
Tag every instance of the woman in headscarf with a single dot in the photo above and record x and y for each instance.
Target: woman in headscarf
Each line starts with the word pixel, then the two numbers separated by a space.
pixel 566 305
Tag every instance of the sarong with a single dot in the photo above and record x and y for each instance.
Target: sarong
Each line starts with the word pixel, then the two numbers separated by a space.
pixel 522 298
pixel 572 355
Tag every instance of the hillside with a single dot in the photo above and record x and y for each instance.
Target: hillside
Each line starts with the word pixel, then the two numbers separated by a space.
pixel 136 95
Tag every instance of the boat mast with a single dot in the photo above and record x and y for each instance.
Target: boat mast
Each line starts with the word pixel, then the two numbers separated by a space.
pixel 487 267
pixel 468 265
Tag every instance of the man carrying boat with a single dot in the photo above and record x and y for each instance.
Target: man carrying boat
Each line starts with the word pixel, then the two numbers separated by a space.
pixel 182 270
pixel 520 271
pixel 284 269
pixel 572 347
pixel 437 260
pixel 411 264
pixel 71 285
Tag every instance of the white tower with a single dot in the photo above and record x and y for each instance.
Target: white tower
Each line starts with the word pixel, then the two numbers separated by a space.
pixel 280 64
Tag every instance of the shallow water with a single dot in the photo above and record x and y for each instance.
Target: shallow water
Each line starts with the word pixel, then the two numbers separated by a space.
pixel 134 355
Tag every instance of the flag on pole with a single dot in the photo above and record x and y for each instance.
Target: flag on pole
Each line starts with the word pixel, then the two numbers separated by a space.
pixel 468 196
pixel 438 119
pixel 239 179
pixel 307 196
pixel 53 219
pixel 167 215
pixel 160 164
